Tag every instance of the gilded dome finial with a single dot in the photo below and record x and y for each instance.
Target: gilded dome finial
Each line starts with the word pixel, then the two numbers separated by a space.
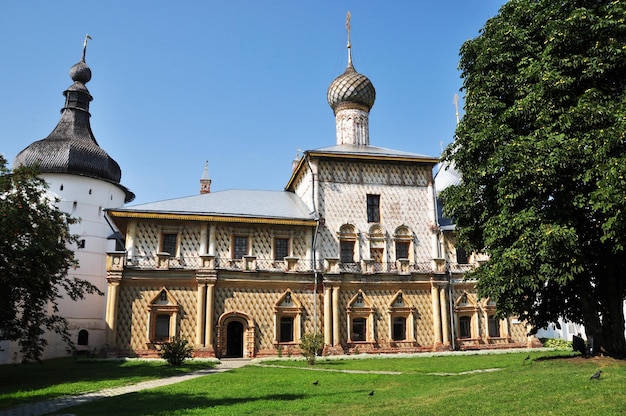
pixel 87 37
pixel 348 16
pixel 351 88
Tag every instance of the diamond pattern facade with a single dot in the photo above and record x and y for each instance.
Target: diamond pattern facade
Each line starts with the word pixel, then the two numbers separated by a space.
pixel 376 202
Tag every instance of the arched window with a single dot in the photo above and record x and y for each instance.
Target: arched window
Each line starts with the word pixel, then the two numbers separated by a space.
pixel 402 241
pixel 347 245
pixel 83 337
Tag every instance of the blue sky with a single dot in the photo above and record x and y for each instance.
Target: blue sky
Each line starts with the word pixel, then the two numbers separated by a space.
pixel 241 84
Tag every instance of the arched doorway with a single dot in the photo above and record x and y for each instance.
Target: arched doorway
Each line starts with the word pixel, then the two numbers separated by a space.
pixel 234 339
pixel 235 335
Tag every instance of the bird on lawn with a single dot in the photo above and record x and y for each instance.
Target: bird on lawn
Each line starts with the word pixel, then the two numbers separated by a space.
pixel 527 357
pixel 316 382
pixel 596 376
pixel 371 393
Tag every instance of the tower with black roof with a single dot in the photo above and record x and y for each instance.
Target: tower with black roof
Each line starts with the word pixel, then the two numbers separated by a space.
pixel 86 182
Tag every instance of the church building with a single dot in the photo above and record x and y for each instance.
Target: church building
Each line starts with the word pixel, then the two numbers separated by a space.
pixel 352 248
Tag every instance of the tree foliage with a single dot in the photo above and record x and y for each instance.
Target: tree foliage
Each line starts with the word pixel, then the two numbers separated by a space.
pixel 35 257
pixel 311 345
pixel 542 153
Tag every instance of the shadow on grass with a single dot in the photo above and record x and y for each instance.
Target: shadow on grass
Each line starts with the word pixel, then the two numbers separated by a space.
pixel 163 403
pixel 32 382
pixel 329 363
pixel 320 362
pixel 559 357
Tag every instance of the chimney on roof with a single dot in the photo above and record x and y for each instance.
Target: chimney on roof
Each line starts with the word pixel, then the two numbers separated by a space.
pixel 205 181
pixel 296 161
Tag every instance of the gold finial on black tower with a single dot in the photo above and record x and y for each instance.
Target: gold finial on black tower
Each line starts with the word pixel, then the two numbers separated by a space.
pixel 87 37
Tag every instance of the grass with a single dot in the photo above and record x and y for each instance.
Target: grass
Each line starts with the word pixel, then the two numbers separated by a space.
pixel 548 383
pixel 27 383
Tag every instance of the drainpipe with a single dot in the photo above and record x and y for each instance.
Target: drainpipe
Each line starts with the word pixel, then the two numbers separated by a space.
pixel 314 244
pixel 448 272
pixel 452 336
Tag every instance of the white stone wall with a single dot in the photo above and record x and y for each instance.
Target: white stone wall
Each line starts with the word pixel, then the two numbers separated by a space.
pixel 352 126
pixel 406 199
pixel 304 184
pixel 85 198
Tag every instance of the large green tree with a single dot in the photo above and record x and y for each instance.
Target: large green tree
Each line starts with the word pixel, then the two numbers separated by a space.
pixel 35 257
pixel 542 153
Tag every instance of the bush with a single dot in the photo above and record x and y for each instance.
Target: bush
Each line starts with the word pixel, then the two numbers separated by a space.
pixel 556 343
pixel 175 351
pixel 311 345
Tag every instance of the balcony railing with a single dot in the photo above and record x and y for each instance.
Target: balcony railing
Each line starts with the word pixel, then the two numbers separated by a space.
pixel 163 261
pixel 460 268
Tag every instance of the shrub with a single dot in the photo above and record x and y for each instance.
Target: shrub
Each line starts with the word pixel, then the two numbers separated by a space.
pixel 311 345
pixel 557 343
pixel 175 351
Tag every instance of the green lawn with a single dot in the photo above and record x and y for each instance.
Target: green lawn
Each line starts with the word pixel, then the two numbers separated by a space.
pixel 27 383
pixel 498 384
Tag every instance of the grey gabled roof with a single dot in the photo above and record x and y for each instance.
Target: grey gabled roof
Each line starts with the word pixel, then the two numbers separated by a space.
pixel 370 151
pixel 231 203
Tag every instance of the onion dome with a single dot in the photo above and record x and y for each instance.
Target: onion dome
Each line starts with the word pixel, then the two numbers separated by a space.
pixel 71 147
pixel 80 72
pixel 351 96
pixel 351 90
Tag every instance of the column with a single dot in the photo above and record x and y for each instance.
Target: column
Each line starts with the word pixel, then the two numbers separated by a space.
pixel 328 326
pixel 200 314
pixel 309 247
pixel 208 327
pixel 507 334
pixel 436 313
pixel 445 322
pixel 111 311
pixel 130 239
pixel 203 239
pixel 212 239
pixel 485 326
pixel 411 332
pixel 336 334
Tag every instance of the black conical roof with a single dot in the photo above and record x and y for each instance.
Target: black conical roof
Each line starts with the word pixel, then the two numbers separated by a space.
pixel 71 147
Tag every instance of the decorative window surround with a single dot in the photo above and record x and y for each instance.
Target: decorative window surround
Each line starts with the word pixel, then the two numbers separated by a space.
pixel 399 307
pixel 466 307
pixel 288 306
pixel 360 307
pixel 162 304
